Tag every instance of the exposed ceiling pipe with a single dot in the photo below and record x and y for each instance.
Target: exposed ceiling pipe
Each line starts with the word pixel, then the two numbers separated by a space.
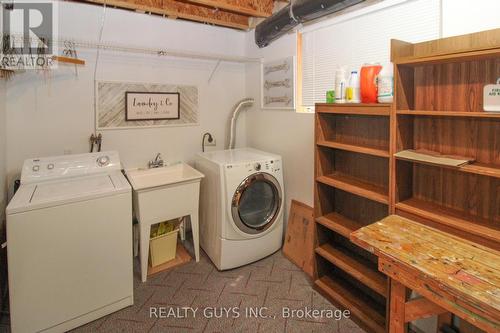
pixel 297 12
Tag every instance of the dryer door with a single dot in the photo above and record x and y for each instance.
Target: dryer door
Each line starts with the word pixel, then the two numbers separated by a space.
pixel 256 203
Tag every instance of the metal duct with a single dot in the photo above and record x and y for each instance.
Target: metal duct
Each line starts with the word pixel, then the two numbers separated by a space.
pixel 297 12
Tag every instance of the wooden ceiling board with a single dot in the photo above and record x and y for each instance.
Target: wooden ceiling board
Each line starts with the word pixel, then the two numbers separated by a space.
pixel 177 9
pixel 255 8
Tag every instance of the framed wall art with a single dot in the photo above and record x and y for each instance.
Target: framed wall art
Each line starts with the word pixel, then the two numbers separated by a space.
pixel 152 105
pixel 278 84
pixel 129 105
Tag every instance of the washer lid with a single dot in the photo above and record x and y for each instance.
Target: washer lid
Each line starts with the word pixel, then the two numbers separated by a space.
pixel 53 193
pixel 45 192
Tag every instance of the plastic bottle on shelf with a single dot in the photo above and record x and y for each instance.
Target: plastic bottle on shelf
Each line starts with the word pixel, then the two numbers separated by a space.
pixel 368 82
pixel 330 96
pixel 340 86
pixel 385 84
pixel 352 91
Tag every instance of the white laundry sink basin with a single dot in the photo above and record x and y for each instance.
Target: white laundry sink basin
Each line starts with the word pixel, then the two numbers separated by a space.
pixel 142 179
pixel 162 194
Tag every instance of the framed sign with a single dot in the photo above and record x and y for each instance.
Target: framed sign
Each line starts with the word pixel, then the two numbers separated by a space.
pixel 278 84
pixel 151 105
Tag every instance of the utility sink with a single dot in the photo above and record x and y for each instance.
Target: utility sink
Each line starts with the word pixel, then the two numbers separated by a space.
pixel 163 194
pixel 141 179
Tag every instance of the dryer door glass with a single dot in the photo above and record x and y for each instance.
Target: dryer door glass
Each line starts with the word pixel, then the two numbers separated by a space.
pixel 256 203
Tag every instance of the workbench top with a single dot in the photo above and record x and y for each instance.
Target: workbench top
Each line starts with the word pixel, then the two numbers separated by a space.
pixel 468 271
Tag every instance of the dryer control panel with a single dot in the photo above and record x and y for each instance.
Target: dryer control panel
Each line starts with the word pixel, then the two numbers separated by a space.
pixel 269 166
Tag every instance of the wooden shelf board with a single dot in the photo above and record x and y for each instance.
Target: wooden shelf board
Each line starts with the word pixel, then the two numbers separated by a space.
pixel 384 113
pixel 355 109
pixel 479 114
pixel 450 217
pixel 482 169
pixel 449 58
pixel 182 257
pixel 338 223
pixel 477 168
pixel 344 296
pixel 356 186
pixel 354 148
pixel 356 268
pixel 354 105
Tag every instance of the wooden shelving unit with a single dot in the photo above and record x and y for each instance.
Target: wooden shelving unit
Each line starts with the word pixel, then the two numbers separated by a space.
pixel 438 107
pixel 344 295
pixel 338 223
pixel 354 148
pixel 437 110
pixel 356 186
pixel 351 190
pixel 455 218
pixel 357 268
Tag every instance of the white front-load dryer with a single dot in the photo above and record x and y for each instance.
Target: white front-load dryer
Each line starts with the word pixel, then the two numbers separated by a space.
pixel 242 203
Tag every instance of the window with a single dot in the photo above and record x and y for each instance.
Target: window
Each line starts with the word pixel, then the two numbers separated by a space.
pixel 362 39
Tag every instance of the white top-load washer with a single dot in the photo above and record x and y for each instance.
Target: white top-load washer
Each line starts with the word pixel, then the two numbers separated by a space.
pixel 69 239
pixel 242 203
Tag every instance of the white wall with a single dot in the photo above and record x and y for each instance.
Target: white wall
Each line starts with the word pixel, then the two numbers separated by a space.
pixel 3 144
pixel 465 16
pixel 48 114
pixel 283 132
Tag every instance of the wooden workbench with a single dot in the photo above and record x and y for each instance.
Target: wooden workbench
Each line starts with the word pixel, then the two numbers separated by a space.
pixel 450 273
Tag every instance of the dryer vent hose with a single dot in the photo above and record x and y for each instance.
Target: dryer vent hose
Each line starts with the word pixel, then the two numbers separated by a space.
pixel 232 129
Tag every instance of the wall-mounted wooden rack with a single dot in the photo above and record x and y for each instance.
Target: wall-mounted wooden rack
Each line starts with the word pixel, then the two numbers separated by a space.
pixel 438 108
pixel 69 60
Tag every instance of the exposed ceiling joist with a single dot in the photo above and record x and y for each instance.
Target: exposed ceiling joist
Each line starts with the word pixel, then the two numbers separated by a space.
pixel 260 8
pixel 176 9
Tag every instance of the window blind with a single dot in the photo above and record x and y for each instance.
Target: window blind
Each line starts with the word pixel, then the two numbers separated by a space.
pixel 363 39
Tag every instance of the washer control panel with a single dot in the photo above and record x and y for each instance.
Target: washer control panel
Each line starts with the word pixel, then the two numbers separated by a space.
pixel 65 166
pixel 103 161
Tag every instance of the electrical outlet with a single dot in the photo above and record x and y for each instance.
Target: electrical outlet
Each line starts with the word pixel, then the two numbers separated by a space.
pixel 210 144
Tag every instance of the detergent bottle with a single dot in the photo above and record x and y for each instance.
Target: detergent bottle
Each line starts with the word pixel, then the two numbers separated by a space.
pixel 340 86
pixel 352 91
pixel 368 82
pixel 385 84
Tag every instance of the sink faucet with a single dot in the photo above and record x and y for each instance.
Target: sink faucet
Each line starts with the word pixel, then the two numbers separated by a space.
pixel 157 162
